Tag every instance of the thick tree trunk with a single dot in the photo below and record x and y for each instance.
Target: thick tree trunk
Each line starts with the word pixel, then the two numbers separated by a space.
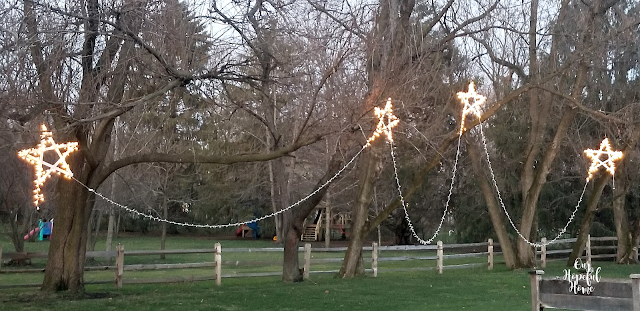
pixel 526 254
pixel 352 263
pixel 291 267
pixel 294 219
pixel 625 251
pixel 65 263
pixel 591 209
pixel 494 209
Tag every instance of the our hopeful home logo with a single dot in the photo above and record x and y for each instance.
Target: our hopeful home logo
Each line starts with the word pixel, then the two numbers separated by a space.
pixel 582 278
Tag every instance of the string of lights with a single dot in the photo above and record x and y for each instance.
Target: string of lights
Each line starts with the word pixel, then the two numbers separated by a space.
pixel 227 225
pixel 504 208
pixel 404 204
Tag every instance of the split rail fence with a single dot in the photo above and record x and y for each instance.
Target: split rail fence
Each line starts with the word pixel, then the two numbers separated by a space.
pixel 316 260
pixel 437 257
pixel 595 248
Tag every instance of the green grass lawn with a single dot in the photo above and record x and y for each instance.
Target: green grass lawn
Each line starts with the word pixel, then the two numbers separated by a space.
pixel 469 289
pixel 455 289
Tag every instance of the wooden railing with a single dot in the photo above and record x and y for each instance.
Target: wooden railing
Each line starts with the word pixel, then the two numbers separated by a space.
pixel 419 255
pixel 595 248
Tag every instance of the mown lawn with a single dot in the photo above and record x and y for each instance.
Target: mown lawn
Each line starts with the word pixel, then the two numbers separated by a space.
pixel 456 289
pixel 470 289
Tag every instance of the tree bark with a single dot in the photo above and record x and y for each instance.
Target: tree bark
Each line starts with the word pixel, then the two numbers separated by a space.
pixel 67 249
pixel 352 264
pixel 526 254
pixel 294 219
pixel 494 209
pixel 165 214
pixel 591 209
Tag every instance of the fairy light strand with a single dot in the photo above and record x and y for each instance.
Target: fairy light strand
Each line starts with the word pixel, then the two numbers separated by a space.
pixel 404 204
pixel 218 226
pixel 385 114
pixel 504 208
pixel 35 156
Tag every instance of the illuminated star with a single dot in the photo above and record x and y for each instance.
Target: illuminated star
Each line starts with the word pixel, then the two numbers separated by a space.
pixel 474 107
pixel 605 149
pixel 35 156
pixel 384 115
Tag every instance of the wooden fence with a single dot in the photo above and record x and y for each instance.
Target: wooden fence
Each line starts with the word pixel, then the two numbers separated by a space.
pixel 421 258
pixel 595 248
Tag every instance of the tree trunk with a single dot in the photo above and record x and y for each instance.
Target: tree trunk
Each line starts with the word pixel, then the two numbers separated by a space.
pixel 291 267
pixel 65 263
pixel 594 197
pixel 352 263
pixel 494 209
pixel 294 219
pixel 110 229
pixel 525 253
pixel 625 253
pixel 627 238
pixel 165 214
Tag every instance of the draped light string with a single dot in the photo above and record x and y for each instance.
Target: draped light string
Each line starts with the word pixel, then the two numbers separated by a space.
pixel 218 226
pixel 387 121
pixel 504 208
pixel 35 156
pixel 474 108
pixel 404 204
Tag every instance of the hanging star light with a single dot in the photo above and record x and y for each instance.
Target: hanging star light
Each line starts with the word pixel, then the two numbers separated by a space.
pixel 35 156
pixel 383 115
pixel 474 107
pixel 608 164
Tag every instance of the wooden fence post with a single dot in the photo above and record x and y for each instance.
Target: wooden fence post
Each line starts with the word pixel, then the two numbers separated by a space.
pixel 218 259
pixel 490 250
pixel 543 253
pixel 535 277
pixel 307 261
pixel 119 265
pixel 374 259
pixel 635 288
pixel 588 249
pixel 440 254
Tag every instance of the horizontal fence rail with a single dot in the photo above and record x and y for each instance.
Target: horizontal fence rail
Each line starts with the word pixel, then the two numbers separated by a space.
pixel 595 248
pixel 438 257
pixel 419 257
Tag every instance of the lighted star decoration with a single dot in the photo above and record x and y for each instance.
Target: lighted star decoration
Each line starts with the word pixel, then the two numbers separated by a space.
pixel 596 155
pixel 477 100
pixel 387 121
pixel 35 156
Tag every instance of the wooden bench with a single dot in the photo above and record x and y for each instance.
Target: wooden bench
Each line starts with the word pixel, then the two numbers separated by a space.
pixel 608 295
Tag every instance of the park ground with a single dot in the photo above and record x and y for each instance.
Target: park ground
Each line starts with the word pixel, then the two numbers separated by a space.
pixel 456 289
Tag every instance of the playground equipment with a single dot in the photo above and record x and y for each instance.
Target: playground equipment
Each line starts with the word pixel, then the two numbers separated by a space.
pixel 339 225
pixel 43 230
pixel 31 233
pixel 245 229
